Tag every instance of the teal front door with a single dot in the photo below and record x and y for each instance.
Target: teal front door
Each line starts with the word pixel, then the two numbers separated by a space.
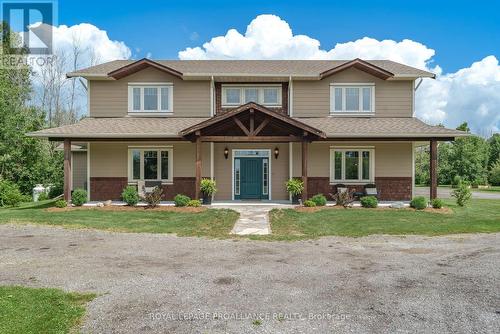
pixel 250 174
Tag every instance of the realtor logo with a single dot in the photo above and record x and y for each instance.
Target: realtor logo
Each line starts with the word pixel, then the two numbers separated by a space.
pixel 31 22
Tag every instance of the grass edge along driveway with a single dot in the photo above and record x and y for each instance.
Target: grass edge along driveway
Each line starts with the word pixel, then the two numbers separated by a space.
pixel 40 310
pixel 214 223
pixel 479 216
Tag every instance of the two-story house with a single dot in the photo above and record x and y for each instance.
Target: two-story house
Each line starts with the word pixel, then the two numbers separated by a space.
pixel 249 124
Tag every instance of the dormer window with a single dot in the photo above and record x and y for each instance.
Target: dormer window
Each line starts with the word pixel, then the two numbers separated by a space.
pixel 352 98
pixel 150 98
pixel 236 95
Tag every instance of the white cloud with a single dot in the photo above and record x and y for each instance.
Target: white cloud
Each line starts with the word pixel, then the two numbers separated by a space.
pixel 95 44
pixel 471 94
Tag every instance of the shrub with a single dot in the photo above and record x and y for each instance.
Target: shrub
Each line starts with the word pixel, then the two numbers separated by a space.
pixel 495 174
pixel 319 200
pixel 344 198
pixel 43 196
pixel 437 203
pixel 309 203
pixel 79 197
pixel 418 203
pixel 55 190
pixel 61 203
pixel 208 187
pixel 130 195
pixel 181 200
pixel 194 203
pixel 369 202
pixel 294 186
pixel 10 195
pixel 462 194
pixel 154 198
pixel 456 181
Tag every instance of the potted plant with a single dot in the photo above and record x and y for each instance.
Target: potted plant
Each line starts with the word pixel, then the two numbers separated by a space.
pixel 207 188
pixel 295 187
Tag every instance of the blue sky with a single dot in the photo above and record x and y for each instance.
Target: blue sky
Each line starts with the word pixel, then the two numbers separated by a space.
pixel 461 32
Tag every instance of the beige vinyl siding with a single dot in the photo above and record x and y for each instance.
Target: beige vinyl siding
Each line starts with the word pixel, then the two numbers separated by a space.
pixel 391 159
pixel 223 169
pixel 392 98
pixel 110 98
pixel 111 159
pixel 79 169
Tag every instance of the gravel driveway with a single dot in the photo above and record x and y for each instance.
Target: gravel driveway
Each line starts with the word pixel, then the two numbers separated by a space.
pixel 161 283
pixel 444 192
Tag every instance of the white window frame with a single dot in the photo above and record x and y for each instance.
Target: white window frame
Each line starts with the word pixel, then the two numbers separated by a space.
pixel 158 86
pixel 360 180
pixel 360 110
pixel 259 87
pixel 158 149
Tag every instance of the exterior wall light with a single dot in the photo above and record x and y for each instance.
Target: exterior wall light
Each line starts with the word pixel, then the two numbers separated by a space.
pixel 276 152
pixel 226 152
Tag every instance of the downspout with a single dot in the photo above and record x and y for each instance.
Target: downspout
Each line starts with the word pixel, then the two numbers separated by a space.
pixel 290 96
pixel 212 96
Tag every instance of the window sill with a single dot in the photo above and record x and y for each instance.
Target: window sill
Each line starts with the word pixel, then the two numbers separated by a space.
pixel 149 114
pixel 351 113
pixel 134 182
pixel 332 183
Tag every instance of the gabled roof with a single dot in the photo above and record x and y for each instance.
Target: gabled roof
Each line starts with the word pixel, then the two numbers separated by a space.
pixel 140 65
pixel 306 69
pixel 360 65
pixel 252 106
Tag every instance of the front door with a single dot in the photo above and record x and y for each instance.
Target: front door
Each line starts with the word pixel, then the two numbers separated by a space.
pixel 251 178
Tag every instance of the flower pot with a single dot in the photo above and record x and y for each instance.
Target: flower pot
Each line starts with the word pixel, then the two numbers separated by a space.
pixel 207 199
pixel 295 199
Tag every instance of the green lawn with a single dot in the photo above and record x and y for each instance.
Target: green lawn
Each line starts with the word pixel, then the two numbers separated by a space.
pixel 480 216
pixel 32 311
pixel 210 223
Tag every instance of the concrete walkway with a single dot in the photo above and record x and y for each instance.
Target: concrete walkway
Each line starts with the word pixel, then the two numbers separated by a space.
pixel 254 217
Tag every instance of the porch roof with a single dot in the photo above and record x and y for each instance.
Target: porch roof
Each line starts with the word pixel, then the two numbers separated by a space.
pixel 171 127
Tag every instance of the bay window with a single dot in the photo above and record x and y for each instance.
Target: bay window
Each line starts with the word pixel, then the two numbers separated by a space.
pixel 150 98
pixel 236 95
pixel 352 98
pixel 152 164
pixel 354 165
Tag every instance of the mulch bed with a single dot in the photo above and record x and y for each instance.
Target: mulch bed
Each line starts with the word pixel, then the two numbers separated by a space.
pixel 443 210
pixel 186 209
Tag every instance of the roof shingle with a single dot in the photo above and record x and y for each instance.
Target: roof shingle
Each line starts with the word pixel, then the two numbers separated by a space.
pixel 299 68
pixel 333 127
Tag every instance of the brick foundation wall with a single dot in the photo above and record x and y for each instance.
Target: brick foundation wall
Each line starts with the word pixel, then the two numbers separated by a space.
pixel 389 188
pixel 105 188
pixel 110 188
pixel 284 97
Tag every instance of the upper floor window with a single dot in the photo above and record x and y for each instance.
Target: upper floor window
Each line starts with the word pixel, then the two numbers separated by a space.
pixel 352 98
pixel 150 98
pixel 267 95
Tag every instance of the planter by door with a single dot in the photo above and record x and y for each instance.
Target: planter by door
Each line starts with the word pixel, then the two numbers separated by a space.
pixel 207 199
pixel 295 199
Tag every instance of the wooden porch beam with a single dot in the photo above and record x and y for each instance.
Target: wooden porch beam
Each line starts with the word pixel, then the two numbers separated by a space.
pixel 260 139
pixel 433 168
pixel 242 127
pixel 67 170
pixel 261 126
pixel 304 169
pixel 198 167
pixel 252 121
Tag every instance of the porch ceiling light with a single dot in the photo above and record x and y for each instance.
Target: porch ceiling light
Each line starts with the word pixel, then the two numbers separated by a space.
pixel 226 152
pixel 276 152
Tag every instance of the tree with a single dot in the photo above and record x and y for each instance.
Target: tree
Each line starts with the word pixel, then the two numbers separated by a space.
pixel 464 127
pixel 23 160
pixel 494 143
